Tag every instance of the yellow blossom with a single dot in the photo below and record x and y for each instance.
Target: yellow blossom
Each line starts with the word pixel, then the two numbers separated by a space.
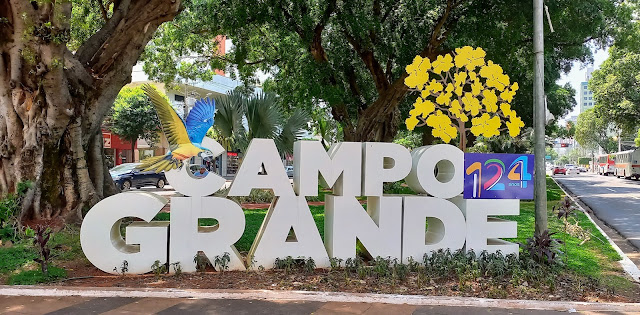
pixel 434 87
pixel 486 125
pixel 459 91
pixel 443 63
pixel 456 110
pixel 490 100
pixel 508 95
pixel 449 88
pixel 495 78
pixel 473 76
pixel 418 72
pixel 411 122
pixel 471 104
pixel 423 108
pixel 444 98
pixel 460 78
pixel 514 125
pixel 476 87
pixel 442 127
pixel 506 109
pixel 469 57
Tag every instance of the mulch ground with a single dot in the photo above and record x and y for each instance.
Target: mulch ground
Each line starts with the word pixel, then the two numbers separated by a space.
pixel 566 287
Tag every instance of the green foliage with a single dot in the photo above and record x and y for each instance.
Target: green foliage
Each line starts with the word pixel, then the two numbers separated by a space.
pixel 592 131
pixel 408 139
pixel 29 277
pixel 86 19
pixel 397 188
pixel 265 118
pixel 349 54
pixel 10 207
pixel 201 261
pixel 15 257
pixel 134 116
pixel 221 263
pixel 616 88
pixel 158 269
pixel 584 161
pixel 504 144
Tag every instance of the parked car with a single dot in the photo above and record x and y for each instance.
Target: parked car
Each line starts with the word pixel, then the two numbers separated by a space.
pixel 559 170
pixel 289 170
pixel 127 176
pixel 582 169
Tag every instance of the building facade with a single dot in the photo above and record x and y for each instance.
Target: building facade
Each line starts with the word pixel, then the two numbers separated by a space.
pixel 586 96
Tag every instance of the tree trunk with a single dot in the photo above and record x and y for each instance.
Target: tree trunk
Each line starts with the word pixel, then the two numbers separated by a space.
pixel 52 101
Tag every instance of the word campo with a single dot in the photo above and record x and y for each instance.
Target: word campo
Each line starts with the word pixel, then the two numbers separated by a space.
pixel 396 226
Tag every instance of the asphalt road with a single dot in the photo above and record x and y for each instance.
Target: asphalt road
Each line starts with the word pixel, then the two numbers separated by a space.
pixel 613 200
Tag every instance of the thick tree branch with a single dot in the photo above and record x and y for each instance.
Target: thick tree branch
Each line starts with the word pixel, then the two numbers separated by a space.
pixel 86 52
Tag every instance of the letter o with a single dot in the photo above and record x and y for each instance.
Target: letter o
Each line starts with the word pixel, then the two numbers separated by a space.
pixel 185 184
pixel 449 162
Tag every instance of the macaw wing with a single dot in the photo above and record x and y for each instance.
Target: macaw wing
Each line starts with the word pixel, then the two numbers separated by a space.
pixel 200 119
pixel 172 124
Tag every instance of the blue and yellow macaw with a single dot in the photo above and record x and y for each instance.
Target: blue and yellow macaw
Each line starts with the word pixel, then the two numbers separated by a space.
pixel 184 138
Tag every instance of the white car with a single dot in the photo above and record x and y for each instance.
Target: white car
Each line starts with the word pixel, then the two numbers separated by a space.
pixel 571 169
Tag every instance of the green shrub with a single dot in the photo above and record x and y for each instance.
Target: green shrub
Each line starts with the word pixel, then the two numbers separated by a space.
pixel 15 257
pixel 256 196
pixel 36 276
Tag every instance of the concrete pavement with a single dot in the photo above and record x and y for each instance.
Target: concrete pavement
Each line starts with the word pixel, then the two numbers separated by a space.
pixel 112 306
pixel 70 300
pixel 613 200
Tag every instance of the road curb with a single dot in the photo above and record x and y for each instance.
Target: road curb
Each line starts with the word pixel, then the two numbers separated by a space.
pixel 340 297
pixel 627 265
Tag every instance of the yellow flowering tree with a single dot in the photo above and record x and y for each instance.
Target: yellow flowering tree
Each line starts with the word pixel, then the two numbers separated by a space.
pixel 460 93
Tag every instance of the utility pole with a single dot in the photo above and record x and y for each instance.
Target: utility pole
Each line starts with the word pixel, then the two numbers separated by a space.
pixel 540 184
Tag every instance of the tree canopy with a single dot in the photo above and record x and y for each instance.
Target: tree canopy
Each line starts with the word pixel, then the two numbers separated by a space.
pixel 352 54
pixel 592 131
pixel 134 117
pixel 616 88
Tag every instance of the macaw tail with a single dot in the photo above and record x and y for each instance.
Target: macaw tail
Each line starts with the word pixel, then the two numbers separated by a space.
pixel 159 163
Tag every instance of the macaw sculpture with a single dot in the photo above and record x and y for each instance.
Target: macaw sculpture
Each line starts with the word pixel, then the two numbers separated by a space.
pixel 184 137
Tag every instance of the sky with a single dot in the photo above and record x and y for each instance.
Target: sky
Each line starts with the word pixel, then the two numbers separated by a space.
pixel 577 75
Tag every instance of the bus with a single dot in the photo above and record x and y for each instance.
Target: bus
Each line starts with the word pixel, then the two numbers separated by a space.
pixel 627 164
pixel 606 164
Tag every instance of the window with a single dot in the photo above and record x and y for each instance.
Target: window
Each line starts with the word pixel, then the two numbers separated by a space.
pixel 178 98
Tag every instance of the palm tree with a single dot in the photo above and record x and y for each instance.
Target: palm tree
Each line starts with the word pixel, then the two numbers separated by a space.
pixel 240 118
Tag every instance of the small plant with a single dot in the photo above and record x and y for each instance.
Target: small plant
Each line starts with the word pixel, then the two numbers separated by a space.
pixel 335 262
pixel 41 237
pixel 565 208
pixel 201 262
pixel 287 264
pixel 158 269
pixel 177 269
pixel 352 264
pixel 309 265
pixel 124 268
pixel 400 270
pixel 543 248
pixel 221 263
pixel 382 266
pixel 252 263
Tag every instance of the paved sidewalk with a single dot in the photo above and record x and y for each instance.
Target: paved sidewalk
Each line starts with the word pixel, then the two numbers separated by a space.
pixel 77 300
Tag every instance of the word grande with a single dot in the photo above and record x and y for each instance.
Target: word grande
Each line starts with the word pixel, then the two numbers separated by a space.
pixel 396 226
